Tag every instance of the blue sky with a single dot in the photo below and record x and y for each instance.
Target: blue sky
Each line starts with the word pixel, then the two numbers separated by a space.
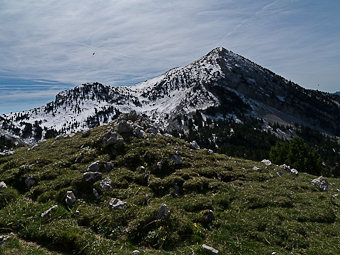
pixel 46 45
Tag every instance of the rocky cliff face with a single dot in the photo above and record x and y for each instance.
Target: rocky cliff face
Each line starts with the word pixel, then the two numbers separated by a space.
pixel 220 85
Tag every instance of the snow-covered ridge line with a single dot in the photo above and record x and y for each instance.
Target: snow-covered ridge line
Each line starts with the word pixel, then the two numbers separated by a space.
pixel 222 83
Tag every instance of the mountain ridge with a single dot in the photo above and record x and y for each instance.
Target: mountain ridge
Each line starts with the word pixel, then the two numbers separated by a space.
pixel 219 85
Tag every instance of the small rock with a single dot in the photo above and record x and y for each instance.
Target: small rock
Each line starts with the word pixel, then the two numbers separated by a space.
pixel 285 167
pixel 135 252
pixel 177 190
pixel 3 239
pixel 94 167
pixel 108 166
pixel 142 169
pixel 105 184
pixel 79 158
pixel 124 127
pixel 176 159
pixel 30 181
pixel 209 249
pixel 194 145
pixel 255 168
pixel 210 151
pixel 278 174
pixel 321 183
pixel 163 212
pixel 116 203
pixel 95 193
pixel 34 146
pixel 209 216
pixel 49 211
pixel 294 171
pixel 139 133
pixel 70 198
pixel 266 162
pixel 160 165
pixel 3 186
pixel 86 133
pixel 92 176
pixel 112 139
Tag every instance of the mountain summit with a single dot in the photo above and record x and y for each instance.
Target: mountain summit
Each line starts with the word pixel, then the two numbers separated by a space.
pixel 220 85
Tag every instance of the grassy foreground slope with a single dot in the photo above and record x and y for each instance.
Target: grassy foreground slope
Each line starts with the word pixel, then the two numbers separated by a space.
pixel 213 199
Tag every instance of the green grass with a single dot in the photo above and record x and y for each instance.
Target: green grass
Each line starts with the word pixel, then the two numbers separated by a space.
pixel 255 212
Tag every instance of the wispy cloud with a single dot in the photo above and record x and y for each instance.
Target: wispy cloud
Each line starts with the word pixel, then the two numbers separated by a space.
pixel 134 40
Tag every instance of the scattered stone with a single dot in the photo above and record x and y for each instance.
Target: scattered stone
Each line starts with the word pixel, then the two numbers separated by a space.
pixel 285 167
pixel 105 184
pixel 79 158
pixel 294 171
pixel 124 127
pixel 194 145
pixel 176 159
pixel 133 116
pixel 142 169
pixel 86 133
pixel 92 176
pixel 139 133
pixel 278 174
pixel 163 212
pixel 160 165
pixel 209 216
pixel 255 168
pixel 95 193
pixel 210 151
pixel 70 198
pixel 321 183
pixel 3 186
pixel 3 239
pixel 146 178
pixel 135 252
pixel 30 181
pixel 116 203
pixel 209 249
pixel 266 162
pixel 113 139
pixel 34 146
pixel 177 190
pixel 94 167
pixel 108 166
pixel 49 211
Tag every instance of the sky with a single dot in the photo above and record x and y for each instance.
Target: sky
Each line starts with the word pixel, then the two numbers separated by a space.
pixel 47 46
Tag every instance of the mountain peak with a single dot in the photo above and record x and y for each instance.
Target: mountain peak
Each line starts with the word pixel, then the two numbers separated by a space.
pixel 219 85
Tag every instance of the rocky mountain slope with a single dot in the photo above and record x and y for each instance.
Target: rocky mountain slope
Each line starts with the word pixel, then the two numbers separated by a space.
pixel 118 190
pixel 220 85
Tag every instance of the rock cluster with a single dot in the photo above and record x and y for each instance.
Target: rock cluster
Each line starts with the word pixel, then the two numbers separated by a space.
pixel 321 183
pixel 105 184
pixel 92 176
pixel 116 203
pixel 70 198
pixel 2 186
pixel 30 181
pixel 266 162
pixel 3 239
pixel 163 212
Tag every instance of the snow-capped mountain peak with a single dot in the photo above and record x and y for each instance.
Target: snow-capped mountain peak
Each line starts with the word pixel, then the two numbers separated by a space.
pixel 221 84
